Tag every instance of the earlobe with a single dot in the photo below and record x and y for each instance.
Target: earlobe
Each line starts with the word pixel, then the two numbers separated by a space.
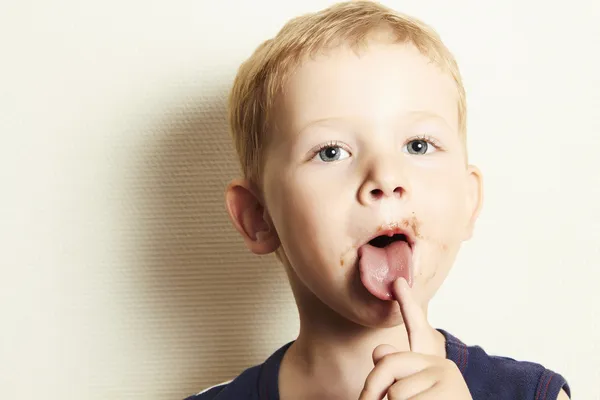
pixel 249 217
pixel 474 198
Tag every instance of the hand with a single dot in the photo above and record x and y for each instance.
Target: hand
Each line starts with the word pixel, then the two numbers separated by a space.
pixel 418 374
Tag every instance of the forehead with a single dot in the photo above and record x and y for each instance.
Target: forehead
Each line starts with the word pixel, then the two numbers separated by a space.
pixel 381 83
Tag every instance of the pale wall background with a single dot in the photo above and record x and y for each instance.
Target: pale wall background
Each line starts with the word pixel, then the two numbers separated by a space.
pixel 121 277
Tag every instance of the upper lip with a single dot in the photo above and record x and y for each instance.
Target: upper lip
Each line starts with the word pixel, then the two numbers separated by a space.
pixel 396 228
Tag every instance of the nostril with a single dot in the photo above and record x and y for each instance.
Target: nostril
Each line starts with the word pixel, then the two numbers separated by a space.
pixel 377 193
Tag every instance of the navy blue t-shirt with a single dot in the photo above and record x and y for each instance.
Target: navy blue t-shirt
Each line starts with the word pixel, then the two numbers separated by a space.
pixel 488 377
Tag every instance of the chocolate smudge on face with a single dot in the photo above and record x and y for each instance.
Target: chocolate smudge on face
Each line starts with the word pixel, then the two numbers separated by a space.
pixel 345 253
pixel 413 224
pixel 432 277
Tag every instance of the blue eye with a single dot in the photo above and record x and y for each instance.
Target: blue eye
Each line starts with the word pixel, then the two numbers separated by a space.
pixel 420 147
pixel 331 153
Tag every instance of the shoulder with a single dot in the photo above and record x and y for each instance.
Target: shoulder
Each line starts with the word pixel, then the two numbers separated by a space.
pixel 209 393
pixel 513 379
pixel 491 376
pixel 242 387
pixel 261 378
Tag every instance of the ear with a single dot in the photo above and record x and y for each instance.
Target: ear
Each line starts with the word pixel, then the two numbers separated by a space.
pixel 474 199
pixel 250 217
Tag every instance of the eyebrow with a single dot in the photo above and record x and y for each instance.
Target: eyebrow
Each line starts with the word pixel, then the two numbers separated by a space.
pixel 424 114
pixel 323 121
pixel 412 114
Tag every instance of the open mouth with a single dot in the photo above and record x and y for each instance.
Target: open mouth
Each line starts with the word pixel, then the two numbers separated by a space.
pixel 385 240
pixel 383 259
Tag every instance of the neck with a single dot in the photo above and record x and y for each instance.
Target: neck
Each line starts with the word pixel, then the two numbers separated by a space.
pixel 326 336
pixel 332 356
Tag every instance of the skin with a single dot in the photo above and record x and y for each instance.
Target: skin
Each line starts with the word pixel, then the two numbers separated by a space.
pixel 370 108
pixel 418 373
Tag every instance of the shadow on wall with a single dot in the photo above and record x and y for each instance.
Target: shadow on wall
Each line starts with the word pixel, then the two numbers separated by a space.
pixel 203 287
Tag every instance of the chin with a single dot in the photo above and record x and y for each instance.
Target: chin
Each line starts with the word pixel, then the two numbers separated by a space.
pixel 376 314
pixel 382 321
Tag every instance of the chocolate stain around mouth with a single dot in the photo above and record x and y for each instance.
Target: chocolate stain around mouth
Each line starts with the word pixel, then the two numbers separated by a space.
pixel 411 223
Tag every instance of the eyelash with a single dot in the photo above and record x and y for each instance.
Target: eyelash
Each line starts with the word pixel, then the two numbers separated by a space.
pixel 332 143
pixel 426 138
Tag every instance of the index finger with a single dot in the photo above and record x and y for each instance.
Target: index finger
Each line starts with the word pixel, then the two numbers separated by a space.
pixel 420 335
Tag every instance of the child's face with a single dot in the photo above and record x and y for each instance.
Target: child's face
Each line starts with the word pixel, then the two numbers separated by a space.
pixel 386 122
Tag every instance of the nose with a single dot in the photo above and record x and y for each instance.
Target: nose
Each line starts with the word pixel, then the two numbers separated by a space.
pixel 385 178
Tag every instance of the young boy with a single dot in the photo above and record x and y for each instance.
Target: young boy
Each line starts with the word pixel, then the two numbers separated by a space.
pixel 351 129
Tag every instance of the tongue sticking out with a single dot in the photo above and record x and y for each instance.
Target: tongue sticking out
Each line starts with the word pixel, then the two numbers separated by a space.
pixel 380 267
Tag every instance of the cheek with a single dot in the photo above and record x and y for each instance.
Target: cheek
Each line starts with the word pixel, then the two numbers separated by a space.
pixel 444 237
pixel 304 217
pixel 440 202
pixel 441 207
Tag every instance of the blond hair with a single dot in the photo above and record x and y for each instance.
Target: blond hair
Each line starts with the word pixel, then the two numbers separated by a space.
pixel 262 77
